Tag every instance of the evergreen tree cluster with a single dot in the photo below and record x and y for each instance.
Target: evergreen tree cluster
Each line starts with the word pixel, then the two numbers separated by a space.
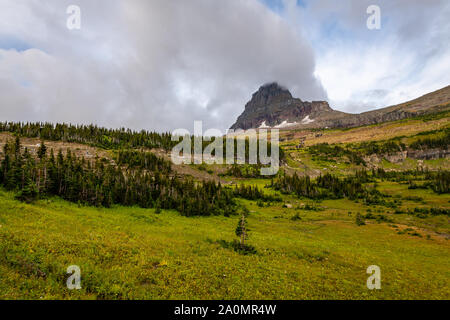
pixel 324 187
pixel 381 147
pixel 424 212
pixel 438 181
pixel 441 182
pixel 301 186
pixel 102 183
pixel 329 186
pixel 144 160
pixel 254 193
pixel 325 152
pixel 349 187
pixel 245 171
pixel 419 173
pixel 438 142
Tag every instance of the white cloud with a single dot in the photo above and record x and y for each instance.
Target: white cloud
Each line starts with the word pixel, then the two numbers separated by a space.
pixel 147 64
pixel 363 69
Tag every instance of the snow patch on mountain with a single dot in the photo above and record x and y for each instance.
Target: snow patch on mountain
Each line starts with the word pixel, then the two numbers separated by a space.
pixel 307 120
pixel 285 124
pixel 264 125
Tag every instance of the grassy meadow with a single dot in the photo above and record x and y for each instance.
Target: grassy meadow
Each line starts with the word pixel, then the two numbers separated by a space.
pixel 134 253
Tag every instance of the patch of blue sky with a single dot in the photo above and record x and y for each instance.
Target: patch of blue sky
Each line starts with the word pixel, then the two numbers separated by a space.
pixel 277 5
pixel 25 83
pixel 301 3
pixel 274 5
pixel 331 28
pixel 8 42
pixel 331 31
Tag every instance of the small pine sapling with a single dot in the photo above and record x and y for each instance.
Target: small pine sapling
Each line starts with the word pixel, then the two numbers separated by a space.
pixel 241 229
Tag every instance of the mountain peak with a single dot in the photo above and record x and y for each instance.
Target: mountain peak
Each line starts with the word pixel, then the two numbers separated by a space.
pixel 273 87
pixel 273 105
pixel 267 94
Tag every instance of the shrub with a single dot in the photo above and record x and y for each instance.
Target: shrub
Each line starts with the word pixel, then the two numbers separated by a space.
pixel 359 220
pixel 235 245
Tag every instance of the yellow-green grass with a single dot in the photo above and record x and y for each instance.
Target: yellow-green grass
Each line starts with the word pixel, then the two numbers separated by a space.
pixel 133 253
pixel 430 199
pixel 376 132
pixel 383 131
pixel 302 162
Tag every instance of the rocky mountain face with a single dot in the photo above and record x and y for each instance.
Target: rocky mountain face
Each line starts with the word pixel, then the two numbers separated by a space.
pixel 273 106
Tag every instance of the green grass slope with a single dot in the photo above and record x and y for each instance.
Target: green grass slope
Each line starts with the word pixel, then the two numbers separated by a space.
pixel 133 253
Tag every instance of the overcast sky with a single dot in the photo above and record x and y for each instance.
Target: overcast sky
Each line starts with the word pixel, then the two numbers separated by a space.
pixel 161 64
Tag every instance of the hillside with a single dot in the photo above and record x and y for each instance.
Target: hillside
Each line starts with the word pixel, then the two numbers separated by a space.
pixel 420 142
pixel 140 228
pixel 274 106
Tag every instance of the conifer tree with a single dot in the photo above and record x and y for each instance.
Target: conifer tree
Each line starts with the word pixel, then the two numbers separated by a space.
pixel 42 150
pixel 158 206
pixel 29 193
pixel 241 229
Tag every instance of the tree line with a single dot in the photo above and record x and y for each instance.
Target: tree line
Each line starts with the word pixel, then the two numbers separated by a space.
pixel 327 186
pixel 437 142
pixel 111 138
pixel 254 193
pixel 91 134
pixel 356 186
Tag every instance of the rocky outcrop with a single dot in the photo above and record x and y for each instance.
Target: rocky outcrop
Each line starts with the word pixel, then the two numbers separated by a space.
pixel 429 154
pixel 398 157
